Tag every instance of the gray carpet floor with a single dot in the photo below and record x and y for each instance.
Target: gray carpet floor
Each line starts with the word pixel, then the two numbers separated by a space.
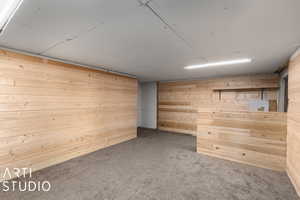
pixel 157 166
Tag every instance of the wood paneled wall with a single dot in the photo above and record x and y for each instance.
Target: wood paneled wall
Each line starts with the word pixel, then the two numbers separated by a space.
pixel 181 102
pixel 255 138
pixel 218 112
pixel 51 112
pixel 293 141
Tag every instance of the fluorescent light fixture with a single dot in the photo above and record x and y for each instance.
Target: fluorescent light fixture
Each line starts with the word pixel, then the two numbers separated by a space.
pixel 7 10
pixel 222 63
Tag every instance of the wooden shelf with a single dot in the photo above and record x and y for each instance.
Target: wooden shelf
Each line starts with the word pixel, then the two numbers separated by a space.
pixel 243 88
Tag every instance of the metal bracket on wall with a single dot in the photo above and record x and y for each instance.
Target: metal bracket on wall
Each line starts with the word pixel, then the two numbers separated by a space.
pixel 262 94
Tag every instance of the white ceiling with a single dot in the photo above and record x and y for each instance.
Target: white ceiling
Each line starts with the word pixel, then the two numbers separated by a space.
pixel 127 36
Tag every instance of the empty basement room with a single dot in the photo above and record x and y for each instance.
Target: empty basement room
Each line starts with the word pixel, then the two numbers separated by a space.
pixel 149 100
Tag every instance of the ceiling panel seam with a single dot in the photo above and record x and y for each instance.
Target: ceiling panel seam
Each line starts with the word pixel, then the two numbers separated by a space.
pixel 68 39
pixel 164 21
pixel 51 47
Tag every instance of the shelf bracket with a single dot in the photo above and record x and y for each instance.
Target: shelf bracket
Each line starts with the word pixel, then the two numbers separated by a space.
pixel 262 94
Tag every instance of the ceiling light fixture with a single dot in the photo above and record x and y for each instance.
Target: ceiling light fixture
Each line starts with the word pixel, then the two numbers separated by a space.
pixel 222 63
pixel 7 10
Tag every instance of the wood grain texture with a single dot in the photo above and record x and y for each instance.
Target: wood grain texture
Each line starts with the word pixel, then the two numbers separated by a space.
pixel 51 112
pixel 255 138
pixel 180 102
pixel 293 141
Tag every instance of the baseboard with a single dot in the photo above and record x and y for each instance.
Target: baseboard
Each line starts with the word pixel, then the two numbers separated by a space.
pixel 152 129
pixel 185 132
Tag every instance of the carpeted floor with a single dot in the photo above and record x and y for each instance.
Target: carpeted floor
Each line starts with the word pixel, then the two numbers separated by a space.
pixel 157 166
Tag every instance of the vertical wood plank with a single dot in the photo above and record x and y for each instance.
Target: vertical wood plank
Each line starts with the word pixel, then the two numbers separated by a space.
pixel 293 141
